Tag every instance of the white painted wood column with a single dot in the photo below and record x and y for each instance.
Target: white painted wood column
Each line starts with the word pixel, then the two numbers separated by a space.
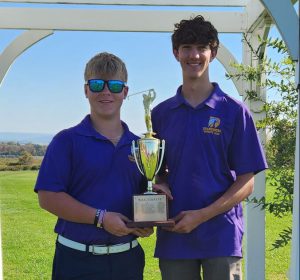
pixel 254 216
pixel 294 268
pixel 287 22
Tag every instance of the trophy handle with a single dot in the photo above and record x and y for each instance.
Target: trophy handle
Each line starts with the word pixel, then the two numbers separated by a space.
pixel 134 149
pixel 162 148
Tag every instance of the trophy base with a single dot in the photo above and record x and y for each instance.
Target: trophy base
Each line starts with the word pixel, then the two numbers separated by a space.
pixel 168 223
pixel 150 210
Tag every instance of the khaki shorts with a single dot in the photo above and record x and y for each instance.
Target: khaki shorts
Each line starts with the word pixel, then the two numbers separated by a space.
pixel 225 268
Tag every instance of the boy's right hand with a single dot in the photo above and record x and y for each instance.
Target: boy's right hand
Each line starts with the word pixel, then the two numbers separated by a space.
pixel 115 223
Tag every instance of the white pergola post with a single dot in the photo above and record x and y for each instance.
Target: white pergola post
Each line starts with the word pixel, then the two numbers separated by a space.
pixel 287 21
pixel 255 217
pixel 294 266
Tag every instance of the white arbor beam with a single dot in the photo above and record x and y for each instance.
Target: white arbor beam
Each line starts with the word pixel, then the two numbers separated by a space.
pixel 226 58
pixel 287 22
pixel 109 20
pixel 18 46
pixel 255 13
pixel 223 3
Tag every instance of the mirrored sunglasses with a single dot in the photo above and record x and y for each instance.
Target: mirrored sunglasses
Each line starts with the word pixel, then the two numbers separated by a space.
pixel 97 85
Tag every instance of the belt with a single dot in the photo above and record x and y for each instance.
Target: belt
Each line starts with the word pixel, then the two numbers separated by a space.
pixel 97 249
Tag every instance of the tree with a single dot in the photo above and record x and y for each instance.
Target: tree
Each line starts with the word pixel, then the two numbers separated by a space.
pixel 278 77
pixel 25 158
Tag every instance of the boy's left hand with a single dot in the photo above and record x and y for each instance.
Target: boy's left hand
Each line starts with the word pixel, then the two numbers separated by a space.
pixel 186 221
pixel 163 188
pixel 142 232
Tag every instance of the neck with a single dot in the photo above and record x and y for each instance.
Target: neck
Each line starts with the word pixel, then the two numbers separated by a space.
pixel 110 128
pixel 195 92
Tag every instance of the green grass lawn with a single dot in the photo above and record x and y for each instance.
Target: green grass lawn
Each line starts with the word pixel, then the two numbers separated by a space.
pixel 28 238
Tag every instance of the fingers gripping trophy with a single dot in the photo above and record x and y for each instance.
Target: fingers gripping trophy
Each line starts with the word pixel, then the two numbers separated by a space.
pixel 150 208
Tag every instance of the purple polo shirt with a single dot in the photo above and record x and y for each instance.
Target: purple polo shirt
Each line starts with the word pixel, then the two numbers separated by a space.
pixel 206 148
pixel 86 165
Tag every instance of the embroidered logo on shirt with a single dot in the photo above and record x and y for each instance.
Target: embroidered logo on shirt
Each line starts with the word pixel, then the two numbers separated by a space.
pixel 212 126
pixel 131 158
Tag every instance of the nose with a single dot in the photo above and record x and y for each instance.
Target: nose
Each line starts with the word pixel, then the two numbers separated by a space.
pixel 194 53
pixel 105 89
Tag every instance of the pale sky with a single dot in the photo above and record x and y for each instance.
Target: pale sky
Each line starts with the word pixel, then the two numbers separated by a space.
pixel 43 90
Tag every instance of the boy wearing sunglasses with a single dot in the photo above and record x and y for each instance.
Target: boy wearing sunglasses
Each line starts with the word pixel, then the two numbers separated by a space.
pixel 87 179
pixel 212 153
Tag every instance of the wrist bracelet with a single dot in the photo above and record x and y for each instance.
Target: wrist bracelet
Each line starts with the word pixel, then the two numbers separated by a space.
pixel 98 212
pixel 100 219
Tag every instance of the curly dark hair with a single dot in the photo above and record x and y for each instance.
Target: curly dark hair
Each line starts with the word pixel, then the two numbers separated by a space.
pixel 196 30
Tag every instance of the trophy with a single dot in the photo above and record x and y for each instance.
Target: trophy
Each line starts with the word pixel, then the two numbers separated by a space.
pixel 149 208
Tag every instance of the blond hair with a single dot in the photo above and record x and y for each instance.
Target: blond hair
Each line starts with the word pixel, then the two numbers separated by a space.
pixel 105 65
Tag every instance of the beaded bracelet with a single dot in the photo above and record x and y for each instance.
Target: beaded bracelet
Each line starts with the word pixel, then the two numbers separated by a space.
pixel 100 219
pixel 98 212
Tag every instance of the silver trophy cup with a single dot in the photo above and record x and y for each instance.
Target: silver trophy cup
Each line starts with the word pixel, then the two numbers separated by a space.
pixel 149 208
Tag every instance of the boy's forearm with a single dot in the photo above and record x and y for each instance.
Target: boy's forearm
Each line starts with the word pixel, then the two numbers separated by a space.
pixel 66 207
pixel 162 178
pixel 239 191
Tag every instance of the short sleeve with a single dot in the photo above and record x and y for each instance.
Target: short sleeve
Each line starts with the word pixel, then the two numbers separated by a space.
pixel 245 151
pixel 56 167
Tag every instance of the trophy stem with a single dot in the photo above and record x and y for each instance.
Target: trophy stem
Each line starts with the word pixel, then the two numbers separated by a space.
pixel 150 188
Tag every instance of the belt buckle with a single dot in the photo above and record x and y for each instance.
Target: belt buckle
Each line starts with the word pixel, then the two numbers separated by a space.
pixel 96 246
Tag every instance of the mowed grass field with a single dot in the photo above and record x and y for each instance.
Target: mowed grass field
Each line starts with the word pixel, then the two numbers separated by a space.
pixel 28 238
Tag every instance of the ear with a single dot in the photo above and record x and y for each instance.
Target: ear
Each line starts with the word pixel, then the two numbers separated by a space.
pixel 213 54
pixel 125 92
pixel 86 90
pixel 175 52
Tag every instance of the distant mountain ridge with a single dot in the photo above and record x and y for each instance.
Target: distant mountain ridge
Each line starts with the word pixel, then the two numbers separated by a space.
pixel 25 138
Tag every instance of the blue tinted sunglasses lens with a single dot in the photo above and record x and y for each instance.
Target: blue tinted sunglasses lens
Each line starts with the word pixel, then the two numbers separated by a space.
pixel 115 86
pixel 96 85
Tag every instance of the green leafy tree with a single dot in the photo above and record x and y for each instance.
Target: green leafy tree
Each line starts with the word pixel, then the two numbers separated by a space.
pixel 278 77
pixel 25 158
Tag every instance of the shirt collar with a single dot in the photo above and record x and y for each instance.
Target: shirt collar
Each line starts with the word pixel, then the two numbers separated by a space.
pixel 86 128
pixel 211 101
pixel 215 97
pixel 178 99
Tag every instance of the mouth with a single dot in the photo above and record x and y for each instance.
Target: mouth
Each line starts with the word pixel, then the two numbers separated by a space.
pixel 105 101
pixel 194 64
